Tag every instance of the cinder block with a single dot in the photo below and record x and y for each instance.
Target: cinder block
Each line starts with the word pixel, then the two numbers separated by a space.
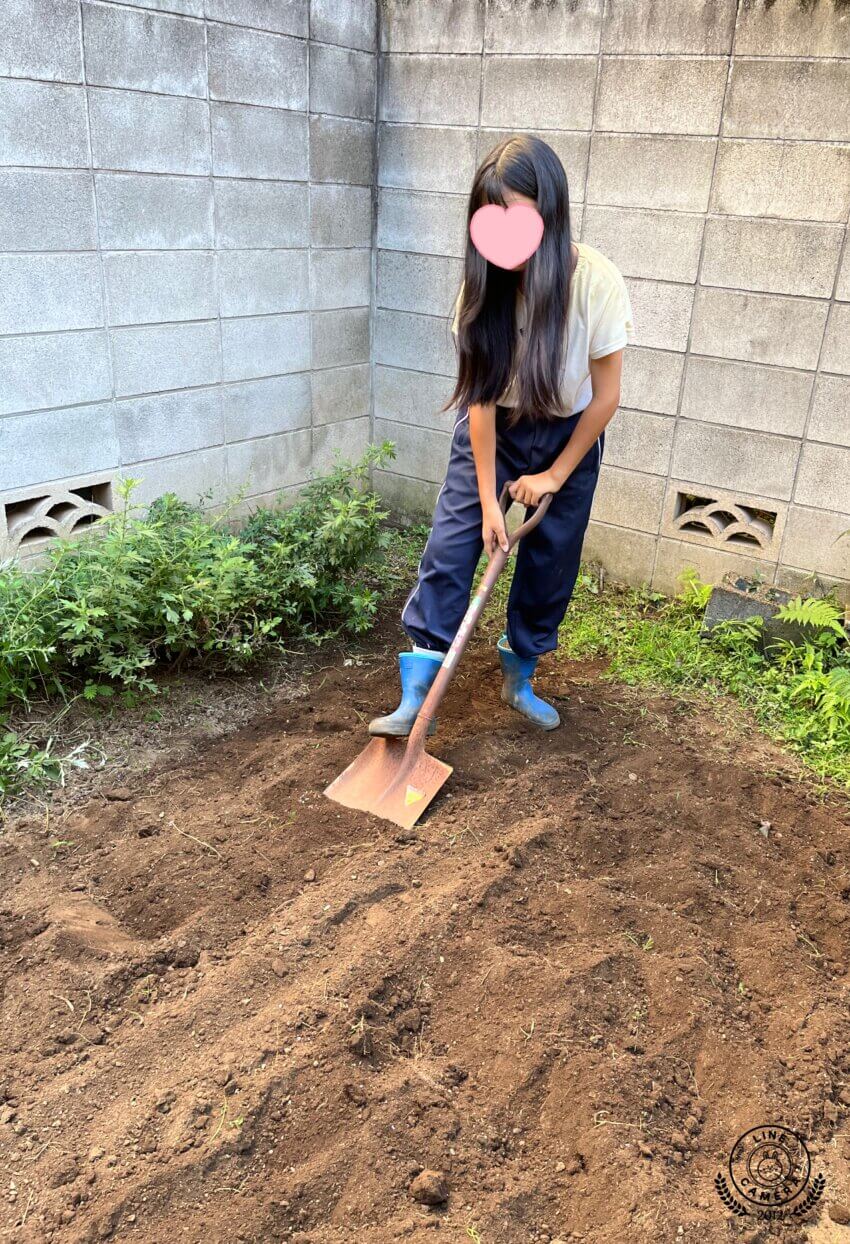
pixel 759 328
pixel 432 224
pixel 267 407
pixel 730 458
pixel 627 556
pixel 160 286
pixel 788 99
pixel 46 211
pixel 340 338
pixel 259 142
pixel 168 356
pixel 263 282
pixel 788 28
pixel 342 81
pixel 333 443
pixel 341 150
pixel 836 343
pixel 269 345
pixel 138 212
pixel 149 133
pixel 570 148
pixel 169 423
pixel 660 95
pixel 41 39
pixel 340 278
pixel 676 26
pixel 830 420
pixel 528 26
pixel 351 25
pixel 433 90
pixel 775 256
pixel 689 511
pixel 40 293
pixel 822 477
pixel 814 540
pixel 629 499
pixel 199 476
pixel 250 67
pixel 547 92
pixel 663 245
pixel 427 284
pixel 261 214
pixel 651 380
pixel 796 180
pixel 414 342
pixel 662 313
pixel 650 171
pixel 413 397
pixel 341 393
pixel 639 441
pixel 143 51
pixel 744 395
pixel 420 157
pixel 674 557
pixel 411 499
pixel 458 27
pixel 43 124
pixel 56 444
pixel 189 8
pixel 340 215
pixel 52 370
pixel 421 453
pixel 286 17
pixel 269 463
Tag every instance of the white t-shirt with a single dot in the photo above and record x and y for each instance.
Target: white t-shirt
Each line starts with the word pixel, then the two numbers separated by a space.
pixel 599 321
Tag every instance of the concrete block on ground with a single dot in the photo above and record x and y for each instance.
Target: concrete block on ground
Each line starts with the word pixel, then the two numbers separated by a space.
pixel 823 477
pixel 626 556
pixel 137 211
pixel 760 328
pixel 352 25
pixel 746 395
pixel 261 214
pixel 546 92
pixel 266 407
pixel 814 540
pixel 417 157
pixel 414 342
pixel 413 397
pixel 673 557
pixel 152 287
pixel 341 337
pixel 341 150
pixel 46 211
pixel 626 498
pixel 421 453
pixel 660 245
pixel 56 444
pixel 44 293
pixel 677 26
pixel 836 343
pixel 340 278
pixel 267 345
pixel 788 28
pixel 345 441
pixel 458 27
pixel 251 67
pixel 662 313
pixel 432 224
pixel 735 459
pixel 165 356
pixel 149 133
pixel 431 90
pixel 195 476
pixel 412 499
pixel 285 17
pixel 774 256
pixel 407 281
pixel 788 99
pixel 343 81
pixel 650 171
pixel 42 123
pixel 41 39
pixel 795 180
pixel 341 215
pixel 529 26
pixel 570 148
pixel 263 282
pixel 248 141
pixel 341 393
pixel 639 441
pixel 165 424
pixel 143 51
pixel 830 419
pixel 651 380
pixel 52 370
pixel 660 95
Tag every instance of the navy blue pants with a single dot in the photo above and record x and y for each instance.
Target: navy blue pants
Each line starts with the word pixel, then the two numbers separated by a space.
pixel 547 560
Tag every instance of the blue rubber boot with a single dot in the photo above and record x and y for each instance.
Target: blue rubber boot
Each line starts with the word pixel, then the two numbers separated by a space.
pixel 516 688
pixel 417 671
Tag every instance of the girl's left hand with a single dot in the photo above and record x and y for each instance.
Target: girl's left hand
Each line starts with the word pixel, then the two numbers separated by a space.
pixel 529 489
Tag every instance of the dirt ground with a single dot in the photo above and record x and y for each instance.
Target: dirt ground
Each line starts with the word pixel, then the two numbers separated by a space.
pixel 235 1011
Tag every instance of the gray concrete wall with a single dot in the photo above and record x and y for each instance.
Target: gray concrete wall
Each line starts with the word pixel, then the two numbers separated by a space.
pixel 185 248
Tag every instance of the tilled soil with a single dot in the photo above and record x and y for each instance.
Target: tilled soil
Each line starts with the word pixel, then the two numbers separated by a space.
pixel 235 1011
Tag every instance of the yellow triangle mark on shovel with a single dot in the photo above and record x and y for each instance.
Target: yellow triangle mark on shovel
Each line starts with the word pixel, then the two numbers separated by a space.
pixel 412 795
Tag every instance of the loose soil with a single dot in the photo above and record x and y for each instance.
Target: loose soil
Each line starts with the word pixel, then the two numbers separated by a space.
pixel 235 1011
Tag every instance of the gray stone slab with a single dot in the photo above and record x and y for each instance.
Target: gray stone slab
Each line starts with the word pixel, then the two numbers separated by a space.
pixel 645 243
pixel 169 423
pixel 267 345
pixel 265 407
pixel 651 380
pixel 660 95
pixel 340 278
pixel 651 171
pixel 340 338
pixel 52 370
pixel 337 443
pixel 433 224
pixel 409 499
pixel 149 133
pixel 341 393
pixel 272 462
pixel 529 26
pixel 263 282
pixel 41 293
pixel 419 157
pixel 788 99
pixel 758 328
pixel 428 284
pixel 46 211
pixel 629 498
pixel 261 214
pixel 746 395
pixel 166 356
pixel 186 8
pixel 142 212
pixel 675 26
pixel 198 476
pixel 456 26
pixel 340 216
pixel 815 540
pixel 639 441
pixel 43 123
pixel 823 476
pixel 143 51
pixel 547 92
pixel 351 25
pixel 148 288
pixel 570 148
pixel 627 556
pixel 342 81
pixel 795 180
pixel 414 342
pixel 788 28
pixel 421 453
pixel 341 150
pixel 286 17
pixel 41 39
pixel 735 459
pixel 662 313
pixel 433 90
pixel 836 343
pixel 251 67
pixel 830 418
pixel 413 397
pixel 774 256
pixel 56 444
pixel 249 141
pixel 842 288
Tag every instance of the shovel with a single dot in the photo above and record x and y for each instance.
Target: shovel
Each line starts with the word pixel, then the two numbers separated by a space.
pixel 396 778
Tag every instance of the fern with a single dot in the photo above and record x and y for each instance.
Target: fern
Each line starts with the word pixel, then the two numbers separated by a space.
pixel 821 615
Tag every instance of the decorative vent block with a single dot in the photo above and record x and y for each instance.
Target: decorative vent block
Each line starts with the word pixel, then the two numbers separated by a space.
pixel 27 521
pixel 723 520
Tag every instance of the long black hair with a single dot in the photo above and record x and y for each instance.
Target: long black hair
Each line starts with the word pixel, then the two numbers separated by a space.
pixel 489 349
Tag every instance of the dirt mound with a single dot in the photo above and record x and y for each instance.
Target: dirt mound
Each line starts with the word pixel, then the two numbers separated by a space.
pixel 234 1011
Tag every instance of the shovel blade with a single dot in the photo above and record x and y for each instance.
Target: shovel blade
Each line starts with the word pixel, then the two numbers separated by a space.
pixel 388 782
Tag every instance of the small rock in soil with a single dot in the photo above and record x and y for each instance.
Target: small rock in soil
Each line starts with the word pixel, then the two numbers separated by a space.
pixel 839 1213
pixel 430 1188
pixel 119 794
pixel 310 874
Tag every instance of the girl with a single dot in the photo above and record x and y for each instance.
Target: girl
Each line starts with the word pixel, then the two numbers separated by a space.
pixel 540 357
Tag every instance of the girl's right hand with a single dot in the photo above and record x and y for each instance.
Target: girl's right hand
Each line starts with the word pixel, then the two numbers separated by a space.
pixel 493 530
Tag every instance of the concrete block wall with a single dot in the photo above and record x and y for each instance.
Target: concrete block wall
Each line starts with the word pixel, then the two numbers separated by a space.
pixel 185 249
pixel 707 148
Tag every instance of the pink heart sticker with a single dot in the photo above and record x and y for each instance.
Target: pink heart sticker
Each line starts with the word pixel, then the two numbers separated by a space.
pixel 506 236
